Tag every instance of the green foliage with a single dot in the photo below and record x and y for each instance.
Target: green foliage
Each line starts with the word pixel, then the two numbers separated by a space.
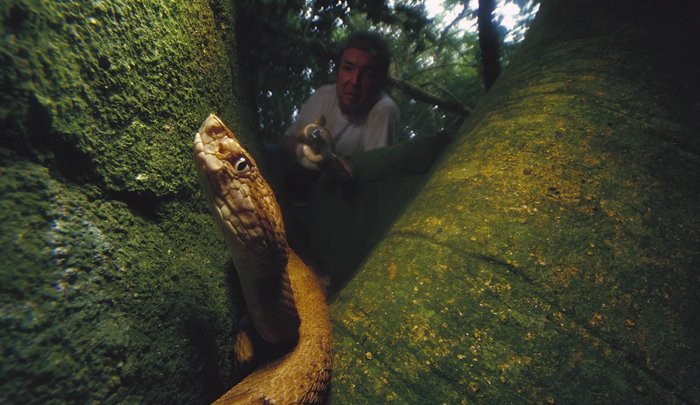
pixel 286 51
pixel 445 66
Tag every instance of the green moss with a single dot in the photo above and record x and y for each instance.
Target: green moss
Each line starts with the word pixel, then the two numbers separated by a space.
pixel 552 254
pixel 108 303
pixel 115 285
pixel 123 85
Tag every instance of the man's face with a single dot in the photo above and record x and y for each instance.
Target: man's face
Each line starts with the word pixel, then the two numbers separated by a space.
pixel 357 81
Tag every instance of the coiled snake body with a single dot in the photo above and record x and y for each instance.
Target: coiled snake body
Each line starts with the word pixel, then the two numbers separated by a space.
pixel 284 297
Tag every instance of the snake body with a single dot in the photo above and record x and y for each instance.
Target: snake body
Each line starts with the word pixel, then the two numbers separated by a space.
pixel 284 297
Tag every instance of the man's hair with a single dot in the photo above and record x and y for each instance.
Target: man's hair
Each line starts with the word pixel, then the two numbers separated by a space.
pixel 371 42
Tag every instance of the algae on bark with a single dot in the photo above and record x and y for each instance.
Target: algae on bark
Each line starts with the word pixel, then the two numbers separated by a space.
pixel 119 86
pixel 93 301
pixel 114 285
pixel 553 254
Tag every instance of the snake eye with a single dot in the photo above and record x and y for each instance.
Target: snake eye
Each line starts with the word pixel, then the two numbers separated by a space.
pixel 242 165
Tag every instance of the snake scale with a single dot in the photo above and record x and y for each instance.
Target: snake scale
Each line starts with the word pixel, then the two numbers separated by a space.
pixel 285 300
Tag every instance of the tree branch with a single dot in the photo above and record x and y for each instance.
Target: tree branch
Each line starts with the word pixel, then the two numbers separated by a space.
pixel 325 50
pixel 419 94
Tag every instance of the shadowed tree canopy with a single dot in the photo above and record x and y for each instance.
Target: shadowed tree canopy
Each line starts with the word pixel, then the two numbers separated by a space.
pixel 287 49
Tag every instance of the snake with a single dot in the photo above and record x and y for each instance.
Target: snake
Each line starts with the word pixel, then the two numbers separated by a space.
pixel 284 297
pixel 315 149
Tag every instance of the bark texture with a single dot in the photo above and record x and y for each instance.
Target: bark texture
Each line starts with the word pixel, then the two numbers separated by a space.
pixel 113 277
pixel 552 256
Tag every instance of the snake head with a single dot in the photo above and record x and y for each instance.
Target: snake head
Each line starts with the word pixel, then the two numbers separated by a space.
pixel 315 144
pixel 243 203
pixel 316 135
pixel 318 138
pixel 246 210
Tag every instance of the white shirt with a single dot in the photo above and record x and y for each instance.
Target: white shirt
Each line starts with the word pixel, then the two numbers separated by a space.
pixel 379 128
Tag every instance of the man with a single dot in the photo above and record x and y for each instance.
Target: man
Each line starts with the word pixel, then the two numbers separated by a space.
pixel 358 114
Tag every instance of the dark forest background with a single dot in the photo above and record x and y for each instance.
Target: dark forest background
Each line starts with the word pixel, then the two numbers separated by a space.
pixel 439 70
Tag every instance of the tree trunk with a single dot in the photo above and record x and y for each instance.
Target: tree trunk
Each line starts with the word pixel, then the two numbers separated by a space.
pixel 489 44
pixel 553 254
pixel 113 277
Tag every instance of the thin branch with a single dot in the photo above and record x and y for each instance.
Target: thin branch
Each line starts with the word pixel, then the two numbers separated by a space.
pixel 419 94
pixel 325 50
pixel 442 66
pixel 443 90
pixel 465 12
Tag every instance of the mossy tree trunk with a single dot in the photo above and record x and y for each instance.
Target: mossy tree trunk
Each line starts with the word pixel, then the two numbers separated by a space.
pixel 553 254
pixel 114 282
